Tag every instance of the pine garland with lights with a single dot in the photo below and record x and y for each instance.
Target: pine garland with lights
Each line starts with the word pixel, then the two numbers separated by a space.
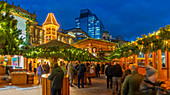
pixel 9 34
pixel 149 43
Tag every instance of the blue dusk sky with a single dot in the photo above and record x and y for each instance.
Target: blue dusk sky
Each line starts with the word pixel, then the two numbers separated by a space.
pixel 128 18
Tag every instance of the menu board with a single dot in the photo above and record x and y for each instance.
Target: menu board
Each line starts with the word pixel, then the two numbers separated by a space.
pixel 15 61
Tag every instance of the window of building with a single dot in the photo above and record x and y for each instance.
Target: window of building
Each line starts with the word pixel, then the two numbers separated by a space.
pixel 40 41
pixel 58 38
pixel 53 29
pixel 53 32
pixel 41 33
pixel 62 39
pixel 70 41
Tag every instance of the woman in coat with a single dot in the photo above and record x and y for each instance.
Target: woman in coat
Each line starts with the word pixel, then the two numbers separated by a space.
pixel 71 72
pixel 88 74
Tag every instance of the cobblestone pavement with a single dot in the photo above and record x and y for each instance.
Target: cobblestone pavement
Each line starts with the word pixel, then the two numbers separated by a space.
pixel 98 88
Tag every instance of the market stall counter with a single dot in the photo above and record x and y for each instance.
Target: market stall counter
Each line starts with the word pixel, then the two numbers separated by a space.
pixel 46 85
pixel 19 78
pixel 2 69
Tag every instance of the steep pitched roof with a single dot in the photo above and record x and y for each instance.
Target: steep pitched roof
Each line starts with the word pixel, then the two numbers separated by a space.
pixel 50 20
pixel 55 43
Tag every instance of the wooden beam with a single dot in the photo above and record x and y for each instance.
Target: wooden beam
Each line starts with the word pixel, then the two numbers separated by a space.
pixel 129 59
pixel 146 59
pixel 154 59
pixel 159 63
pixel 125 63
pixel 168 64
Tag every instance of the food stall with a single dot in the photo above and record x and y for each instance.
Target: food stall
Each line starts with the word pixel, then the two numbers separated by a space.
pixel 46 85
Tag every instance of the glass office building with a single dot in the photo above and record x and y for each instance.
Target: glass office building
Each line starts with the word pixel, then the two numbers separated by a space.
pixel 90 24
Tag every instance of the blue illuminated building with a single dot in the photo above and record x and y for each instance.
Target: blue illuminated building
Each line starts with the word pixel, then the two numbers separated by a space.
pixel 90 24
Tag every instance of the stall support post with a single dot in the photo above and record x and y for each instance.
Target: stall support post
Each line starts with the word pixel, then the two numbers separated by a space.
pixel 159 63
pixel 146 59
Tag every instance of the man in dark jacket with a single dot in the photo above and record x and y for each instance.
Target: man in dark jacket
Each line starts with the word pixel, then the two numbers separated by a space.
pixel 109 74
pixel 81 70
pixel 117 74
pixel 47 68
pixel 56 76
pixel 132 82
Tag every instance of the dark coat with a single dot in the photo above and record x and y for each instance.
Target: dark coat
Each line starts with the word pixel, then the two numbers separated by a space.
pixel 30 66
pixel 117 71
pixel 109 71
pixel 81 69
pixel 56 76
pixel 47 67
pixel 131 84
pixel 147 87
pixel 98 67
pixel 126 73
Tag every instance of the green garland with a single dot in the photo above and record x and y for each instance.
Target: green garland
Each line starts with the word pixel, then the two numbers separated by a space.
pixel 146 44
pixel 69 54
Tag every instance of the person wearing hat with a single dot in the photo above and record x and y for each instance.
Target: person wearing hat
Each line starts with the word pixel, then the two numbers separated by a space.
pixel 132 82
pixel 149 85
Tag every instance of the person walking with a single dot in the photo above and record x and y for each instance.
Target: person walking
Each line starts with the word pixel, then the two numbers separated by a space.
pixel 71 72
pixel 98 70
pixel 47 67
pixel 44 67
pixel 132 82
pixel 88 74
pixel 30 66
pixel 126 72
pixel 56 76
pixel 109 74
pixel 40 71
pixel 102 67
pixel 81 70
pixel 149 85
pixel 62 65
pixel 117 74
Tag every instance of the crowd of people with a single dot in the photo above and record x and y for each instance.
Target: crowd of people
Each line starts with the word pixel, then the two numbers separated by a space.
pixel 123 82
pixel 132 82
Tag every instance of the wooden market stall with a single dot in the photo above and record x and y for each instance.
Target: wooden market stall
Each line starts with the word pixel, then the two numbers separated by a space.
pixel 156 50
pixel 46 85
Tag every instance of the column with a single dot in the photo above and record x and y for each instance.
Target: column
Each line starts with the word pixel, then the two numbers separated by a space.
pixel 154 59
pixel 129 59
pixel 125 63
pixel 146 59
pixel 168 64
pixel 159 63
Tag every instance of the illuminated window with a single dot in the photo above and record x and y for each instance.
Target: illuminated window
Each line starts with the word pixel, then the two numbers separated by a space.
pixel 58 38
pixel 40 41
pixel 53 32
pixel 53 29
pixel 70 41
pixel 41 33
pixel 62 39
